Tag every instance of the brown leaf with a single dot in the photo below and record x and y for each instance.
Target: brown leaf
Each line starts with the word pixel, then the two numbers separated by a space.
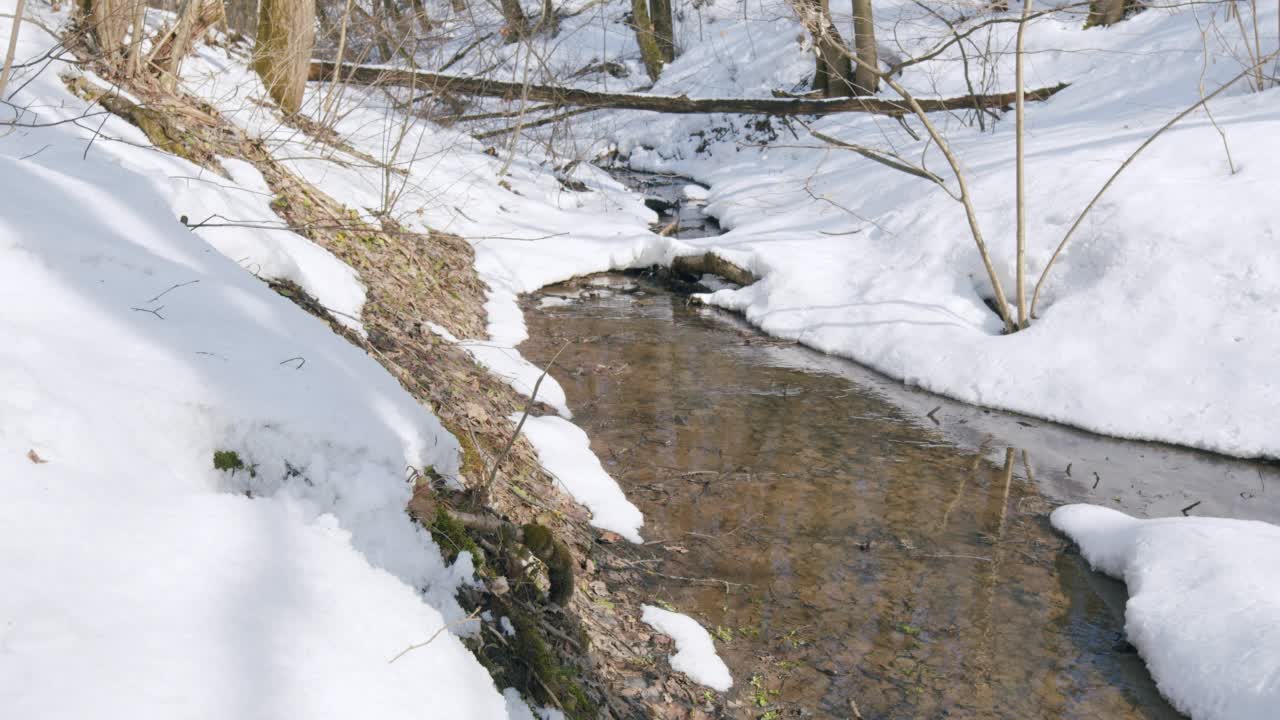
pixel 34 457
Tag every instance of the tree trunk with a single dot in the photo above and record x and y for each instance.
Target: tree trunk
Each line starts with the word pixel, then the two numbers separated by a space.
pixel 242 16
pixel 680 104
pixel 13 44
pixel 1105 12
pixel 663 28
pixel 549 23
pixel 110 20
pixel 650 51
pixel 282 54
pixel 420 13
pixel 195 17
pixel 865 79
pixel 513 14
pixel 833 69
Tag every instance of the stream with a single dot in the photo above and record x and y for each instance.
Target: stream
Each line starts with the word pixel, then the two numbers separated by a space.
pixel 859 548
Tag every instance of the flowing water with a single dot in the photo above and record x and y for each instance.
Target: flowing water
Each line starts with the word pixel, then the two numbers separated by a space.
pixel 860 548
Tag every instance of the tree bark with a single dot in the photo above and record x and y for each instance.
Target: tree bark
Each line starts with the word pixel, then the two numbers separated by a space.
pixel 865 79
pixel 833 70
pixel 517 24
pixel 242 16
pixel 1105 12
pixel 663 28
pixel 282 54
pixel 194 18
pixel 110 20
pixel 677 104
pixel 549 23
pixel 13 45
pixel 646 38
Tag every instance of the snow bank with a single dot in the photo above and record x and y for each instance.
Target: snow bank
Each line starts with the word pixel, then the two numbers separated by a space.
pixel 135 347
pixel 507 363
pixel 1204 604
pixel 695 652
pixel 1160 320
pixel 565 452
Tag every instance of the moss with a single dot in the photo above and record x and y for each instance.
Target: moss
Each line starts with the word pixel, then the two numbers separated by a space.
pixel 550 682
pixel 452 537
pixel 229 461
pixel 472 465
pixel 555 554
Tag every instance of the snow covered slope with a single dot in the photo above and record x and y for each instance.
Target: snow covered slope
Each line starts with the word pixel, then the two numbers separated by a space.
pixel 139 580
pixel 1162 319
pixel 1159 320
pixel 1203 608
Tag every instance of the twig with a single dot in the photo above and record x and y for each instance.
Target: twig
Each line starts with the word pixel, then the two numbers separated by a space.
pixel 1190 507
pixel 155 312
pixel 533 396
pixel 885 159
pixel 1035 296
pixel 172 288
pixel 301 361
pixel 434 635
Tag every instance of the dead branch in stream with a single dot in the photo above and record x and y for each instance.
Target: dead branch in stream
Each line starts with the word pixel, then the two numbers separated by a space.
pixel 677 104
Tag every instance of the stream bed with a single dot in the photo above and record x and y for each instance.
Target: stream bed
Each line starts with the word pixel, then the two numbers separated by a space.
pixel 859 548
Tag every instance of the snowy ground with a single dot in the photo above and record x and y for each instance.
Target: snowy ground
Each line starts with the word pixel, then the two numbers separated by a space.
pixel 1155 325
pixel 140 581
pixel 1203 608
pixel 1160 322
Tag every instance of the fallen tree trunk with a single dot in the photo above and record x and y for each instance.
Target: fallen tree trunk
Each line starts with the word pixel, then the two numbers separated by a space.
pixel 677 104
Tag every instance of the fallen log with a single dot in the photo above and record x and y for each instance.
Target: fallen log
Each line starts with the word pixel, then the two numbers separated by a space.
pixel 677 104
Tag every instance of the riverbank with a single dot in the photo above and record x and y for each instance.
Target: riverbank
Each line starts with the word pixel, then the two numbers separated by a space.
pixel 848 539
pixel 1156 323
pixel 251 461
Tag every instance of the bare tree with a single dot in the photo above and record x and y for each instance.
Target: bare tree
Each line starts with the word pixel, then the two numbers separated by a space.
pixel 282 54
pixel 517 23
pixel 647 39
pixel 1109 12
pixel 865 81
pixel 663 28
pixel 13 45
pixel 833 70
pixel 109 21
pixel 1019 163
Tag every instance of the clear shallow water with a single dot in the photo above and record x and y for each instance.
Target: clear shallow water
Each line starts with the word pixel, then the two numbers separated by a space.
pixel 882 547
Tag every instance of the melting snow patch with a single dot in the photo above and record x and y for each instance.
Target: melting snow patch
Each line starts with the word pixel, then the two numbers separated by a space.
pixel 508 364
pixel 1204 604
pixel 695 652
pixel 565 451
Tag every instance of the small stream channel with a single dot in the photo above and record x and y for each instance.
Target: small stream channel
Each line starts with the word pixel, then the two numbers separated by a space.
pixel 859 548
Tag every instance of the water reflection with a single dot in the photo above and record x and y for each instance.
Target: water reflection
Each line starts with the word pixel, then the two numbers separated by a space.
pixel 882 551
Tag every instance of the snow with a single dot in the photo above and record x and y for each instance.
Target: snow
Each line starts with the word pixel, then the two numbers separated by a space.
pixel 142 346
pixel 565 452
pixel 507 363
pixel 136 347
pixel 1204 604
pixel 695 652
pixel 518 710
pixel 1158 322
